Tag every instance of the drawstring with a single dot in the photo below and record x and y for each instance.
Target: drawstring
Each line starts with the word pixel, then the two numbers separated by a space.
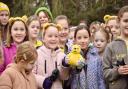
pixel 56 64
pixel 45 66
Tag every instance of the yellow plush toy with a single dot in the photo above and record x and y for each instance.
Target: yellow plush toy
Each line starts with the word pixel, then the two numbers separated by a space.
pixel 74 56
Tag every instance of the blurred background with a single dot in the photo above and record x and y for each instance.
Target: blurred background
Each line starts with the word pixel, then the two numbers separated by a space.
pixel 75 10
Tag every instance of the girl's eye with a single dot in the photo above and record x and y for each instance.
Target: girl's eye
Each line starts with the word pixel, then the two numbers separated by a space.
pixel 96 40
pixel 33 26
pixel 111 27
pixel 117 27
pixel 126 20
pixel 85 37
pixel 15 29
pixel 79 37
pixel 22 29
pixel 38 27
pixel 56 36
pixel 50 36
pixel 102 40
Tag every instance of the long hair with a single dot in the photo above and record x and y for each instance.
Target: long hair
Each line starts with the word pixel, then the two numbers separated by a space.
pixel 9 39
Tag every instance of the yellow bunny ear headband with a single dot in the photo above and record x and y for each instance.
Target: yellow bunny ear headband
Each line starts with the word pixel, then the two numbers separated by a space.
pixel 46 25
pixel 109 17
pixel 23 18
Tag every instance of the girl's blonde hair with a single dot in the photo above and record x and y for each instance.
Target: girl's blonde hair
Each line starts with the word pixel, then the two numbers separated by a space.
pixel 9 39
pixel 26 51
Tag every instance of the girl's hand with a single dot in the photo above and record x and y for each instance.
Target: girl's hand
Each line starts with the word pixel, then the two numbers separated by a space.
pixel 123 70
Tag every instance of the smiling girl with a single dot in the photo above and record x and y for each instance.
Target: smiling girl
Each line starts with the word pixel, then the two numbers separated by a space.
pixel 17 33
pixel 34 28
pixel 50 59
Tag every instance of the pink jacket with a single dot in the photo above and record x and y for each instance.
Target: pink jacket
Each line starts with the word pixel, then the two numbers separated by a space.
pixel 9 53
pixel 46 63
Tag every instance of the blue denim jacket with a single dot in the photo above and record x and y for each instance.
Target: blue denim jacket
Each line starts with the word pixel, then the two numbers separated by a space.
pixel 92 77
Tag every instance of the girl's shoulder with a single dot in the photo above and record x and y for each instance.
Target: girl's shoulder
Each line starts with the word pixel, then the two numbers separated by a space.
pixel 12 47
pixel 44 50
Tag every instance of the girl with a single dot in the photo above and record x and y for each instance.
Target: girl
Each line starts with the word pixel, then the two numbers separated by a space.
pixel 90 75
pixel 44 15
pixel 18 75
pixel 71 33
pixel 48 69
pixel 101 39
pixel 64 42
pixel 17 33
pixel 34 28
pixel 111 22
pixel 4 17
pixel 115 59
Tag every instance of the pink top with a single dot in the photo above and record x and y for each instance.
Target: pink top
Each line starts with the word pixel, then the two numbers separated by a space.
pixel 9 53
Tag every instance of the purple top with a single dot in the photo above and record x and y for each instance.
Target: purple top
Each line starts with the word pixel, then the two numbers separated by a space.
pixel 9 53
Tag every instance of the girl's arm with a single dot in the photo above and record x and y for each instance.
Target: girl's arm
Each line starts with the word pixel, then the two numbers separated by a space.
pixel 5 81
pixel 39 78
pixel 110 72
pixel 64 73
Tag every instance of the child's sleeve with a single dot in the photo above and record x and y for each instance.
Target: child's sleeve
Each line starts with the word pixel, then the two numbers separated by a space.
pixel 110 72
pixel 39 78
pixel 64 71
pixel 5 81
pixel 100 75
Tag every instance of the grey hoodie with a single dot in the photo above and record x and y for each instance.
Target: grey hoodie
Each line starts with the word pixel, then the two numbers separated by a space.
pixel 115 55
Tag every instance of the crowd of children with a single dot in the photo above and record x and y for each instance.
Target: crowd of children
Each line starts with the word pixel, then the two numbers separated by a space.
pixel 34 51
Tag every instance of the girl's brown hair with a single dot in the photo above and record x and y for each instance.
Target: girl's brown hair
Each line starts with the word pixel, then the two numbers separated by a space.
pixel 81 27
pixel 9 39
pixel 26 51
pixel 122 11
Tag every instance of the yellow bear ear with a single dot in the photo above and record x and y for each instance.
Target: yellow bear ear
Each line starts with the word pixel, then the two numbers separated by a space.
pixel 59 27
pixel 11 19
pixel 45 25
pixel 25 18
pixel 106 18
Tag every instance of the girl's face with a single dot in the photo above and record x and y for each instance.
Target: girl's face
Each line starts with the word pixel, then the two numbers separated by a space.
pixel 28 66
pixel 124 24
pixel 18 32
pixel 100 41
pixel 34 28
pixel 82 38
pixel 4 17
pixel 71 35
pixel 114 27
pixel 43 17
pixel 51 38
pixel 63 34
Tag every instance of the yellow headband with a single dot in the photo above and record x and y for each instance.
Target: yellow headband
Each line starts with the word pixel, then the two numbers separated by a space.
pixel 46 25
pixel 24 19
pixel 4 7
pixel 109 17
